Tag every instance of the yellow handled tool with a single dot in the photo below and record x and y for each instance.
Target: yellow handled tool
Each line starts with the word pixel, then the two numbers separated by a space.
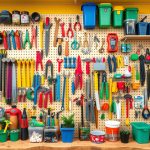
pixel 110 98
pixel 19 73
pixel 67 94
pixel 32 64
pixel 41 34
pixel 23 73
pixel 28 73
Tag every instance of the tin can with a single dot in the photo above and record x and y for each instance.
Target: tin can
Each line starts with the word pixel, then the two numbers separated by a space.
pixel 25 20
pixel 16 17
pixel 97 136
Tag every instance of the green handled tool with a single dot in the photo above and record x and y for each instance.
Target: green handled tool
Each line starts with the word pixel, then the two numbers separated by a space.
pixel 104 87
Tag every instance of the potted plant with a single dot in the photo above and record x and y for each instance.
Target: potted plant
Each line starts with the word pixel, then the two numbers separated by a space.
pixel 67 129
pixel 124 136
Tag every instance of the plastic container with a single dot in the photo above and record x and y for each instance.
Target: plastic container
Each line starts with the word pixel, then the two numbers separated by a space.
pixel 140 132
pixel 131 13
pixel 142 28
pixel 112 130
pixel 67 134
pixel 36 134
pixel 89 15
pixel 130 27
pixel 51 134
pixel 14 135
pixel 97 136
pixel 3 136
pixel 84 132
pixel 105 15
pixel 124 138
pixel 118 16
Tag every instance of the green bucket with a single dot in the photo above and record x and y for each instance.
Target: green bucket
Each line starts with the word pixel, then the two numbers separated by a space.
pixel 3 136
pixel 14 135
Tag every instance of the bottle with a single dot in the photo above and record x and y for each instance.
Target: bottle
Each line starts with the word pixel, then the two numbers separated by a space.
pixel 24 125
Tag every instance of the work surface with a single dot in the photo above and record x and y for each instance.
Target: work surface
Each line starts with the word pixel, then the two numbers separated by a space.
pixel 76 145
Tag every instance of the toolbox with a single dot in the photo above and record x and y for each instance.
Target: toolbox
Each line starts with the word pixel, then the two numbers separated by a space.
pixel 89 15
pixel 105 15
pixel 118 16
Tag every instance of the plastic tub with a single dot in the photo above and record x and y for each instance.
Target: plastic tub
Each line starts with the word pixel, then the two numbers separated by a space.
pixel 67 135
pixel 105 15
pixel 140 132
pixel 97 136
pixel 89 15
pixel 130 27
pixel 36 134
pixel 148 29
pixel 118 16
pixel 3 136
pixel 112 130
pixel 142 28
pixel 14 135
pixel 131 13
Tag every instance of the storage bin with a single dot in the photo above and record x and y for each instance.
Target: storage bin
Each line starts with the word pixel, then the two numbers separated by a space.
pixel 118 16
pixel 105 15
pixel 51 134
pixel 131 13
pixel 130 27
pixel 148 29
pixel 142 28
pixel 14 135
pixel 36 134
pixel 140 132
pixel 89 15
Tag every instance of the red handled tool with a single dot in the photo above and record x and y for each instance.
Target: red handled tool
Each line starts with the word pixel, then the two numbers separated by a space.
pixel 62 25
pixel 39 60
pixel 70 31
pixel 17 39
pixel 77 24
pixel 5 40
pixel 59 61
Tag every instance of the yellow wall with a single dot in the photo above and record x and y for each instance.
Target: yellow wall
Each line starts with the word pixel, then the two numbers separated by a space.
pixel 65 6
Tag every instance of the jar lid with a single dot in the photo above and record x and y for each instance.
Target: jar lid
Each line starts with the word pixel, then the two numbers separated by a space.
pixel 16 12
pixel 25 12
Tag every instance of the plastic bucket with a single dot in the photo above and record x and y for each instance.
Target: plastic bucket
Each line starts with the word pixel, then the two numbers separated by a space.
pixel 3 136
pixel 142 28
pixel 118 16
pixel 130 27
pixel 105 15
pixel 89 15
pixel 67 134
pixel 14 135
pixel 131 13
pixel 112 130
pixel 148 29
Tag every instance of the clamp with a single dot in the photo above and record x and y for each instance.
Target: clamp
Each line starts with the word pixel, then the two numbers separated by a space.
pixel 75 44
pixel 70 31
pixel 62 25
pixel 12 34
pixel 77 23
pixel 27 40
pixel 104 87
pixel 34 36
pixel 39 60
pixel 17 38
pixel 78 74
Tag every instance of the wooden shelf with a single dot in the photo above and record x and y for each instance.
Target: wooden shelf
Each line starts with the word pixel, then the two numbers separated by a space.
pixel 136 37
pixel 76 145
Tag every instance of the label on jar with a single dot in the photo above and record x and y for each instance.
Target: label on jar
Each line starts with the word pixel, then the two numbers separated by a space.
pixel 24 19
pixel 16 18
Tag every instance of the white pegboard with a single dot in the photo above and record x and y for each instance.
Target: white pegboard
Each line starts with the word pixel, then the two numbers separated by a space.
pixel 101 33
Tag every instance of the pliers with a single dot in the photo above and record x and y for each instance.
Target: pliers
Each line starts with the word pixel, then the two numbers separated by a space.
pixel 27 40
pixel 104 87
pixel 77 23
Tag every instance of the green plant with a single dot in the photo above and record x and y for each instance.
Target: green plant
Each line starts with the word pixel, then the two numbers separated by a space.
pixel 123 132
pixel 68 122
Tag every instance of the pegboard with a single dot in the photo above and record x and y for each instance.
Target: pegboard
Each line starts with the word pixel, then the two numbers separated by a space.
pixel 101 33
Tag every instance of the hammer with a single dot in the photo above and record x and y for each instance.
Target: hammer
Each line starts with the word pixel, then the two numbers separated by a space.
pixel 7 124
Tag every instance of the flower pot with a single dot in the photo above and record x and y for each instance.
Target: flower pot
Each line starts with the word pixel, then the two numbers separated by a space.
pixel 3 136
pixel 124 137
pixel 67 135
pixel 14 135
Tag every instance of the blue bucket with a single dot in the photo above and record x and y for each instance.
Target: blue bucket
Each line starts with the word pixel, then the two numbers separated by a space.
pixel 67 135
pixel 142 28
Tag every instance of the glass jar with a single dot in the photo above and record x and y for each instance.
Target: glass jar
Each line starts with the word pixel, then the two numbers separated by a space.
pixel 16 17
pixel 25 20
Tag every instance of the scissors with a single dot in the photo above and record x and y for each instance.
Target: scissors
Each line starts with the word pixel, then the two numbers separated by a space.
pixel 75 44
